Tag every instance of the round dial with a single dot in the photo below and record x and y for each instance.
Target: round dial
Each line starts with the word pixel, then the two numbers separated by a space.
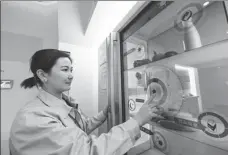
pixel 160 142
pixel 167 88
pixel 132 105
pixel 213 124
pixel 140 50
pixel 157 87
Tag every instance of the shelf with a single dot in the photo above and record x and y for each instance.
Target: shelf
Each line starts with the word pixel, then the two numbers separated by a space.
pixel 137 68
pixel 191 58
pixel 159 62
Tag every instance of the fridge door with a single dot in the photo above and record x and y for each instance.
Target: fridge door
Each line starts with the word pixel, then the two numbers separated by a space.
pixel 103 84
pixel 176 50
pixel 109 81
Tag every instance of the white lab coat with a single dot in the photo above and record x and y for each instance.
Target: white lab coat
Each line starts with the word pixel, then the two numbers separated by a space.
pixel 43 127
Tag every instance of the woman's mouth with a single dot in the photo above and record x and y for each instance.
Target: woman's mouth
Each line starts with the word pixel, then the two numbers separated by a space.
pixel 68 83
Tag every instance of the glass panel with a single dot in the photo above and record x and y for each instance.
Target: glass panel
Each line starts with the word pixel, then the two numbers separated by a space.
pixel 191 89
pixel 181 27
pixel 187 68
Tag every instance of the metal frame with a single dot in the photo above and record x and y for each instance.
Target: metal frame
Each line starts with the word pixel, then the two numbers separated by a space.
pixel 114 80
pixel 148 12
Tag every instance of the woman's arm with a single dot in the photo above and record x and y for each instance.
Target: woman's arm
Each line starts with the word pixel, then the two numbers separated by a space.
pixel 36 134
pixel 94 122
pixel 91 123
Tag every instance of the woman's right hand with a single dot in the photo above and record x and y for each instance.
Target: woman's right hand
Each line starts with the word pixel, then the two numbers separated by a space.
pixel 146 112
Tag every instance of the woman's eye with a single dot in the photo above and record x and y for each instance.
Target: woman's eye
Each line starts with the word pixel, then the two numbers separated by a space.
pixel 65 70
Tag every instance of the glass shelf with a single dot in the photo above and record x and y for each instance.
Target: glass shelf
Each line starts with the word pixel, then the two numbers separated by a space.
pixel 158 62
pixel 177 59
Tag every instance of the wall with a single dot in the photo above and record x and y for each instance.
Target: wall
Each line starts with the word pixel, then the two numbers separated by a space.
pixel 12 100
pixel 18 47
pixel 22 33
pixel 19 19
pixel 105 18
pixel 16 50
pixel 84 88
pixel 69 24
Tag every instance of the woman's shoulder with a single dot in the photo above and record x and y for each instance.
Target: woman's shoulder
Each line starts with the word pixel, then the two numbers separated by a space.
pixel 32 105
pixel 32 114
pixel 33 108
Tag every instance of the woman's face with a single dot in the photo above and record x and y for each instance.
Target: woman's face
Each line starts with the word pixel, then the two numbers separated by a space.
pixel 60 77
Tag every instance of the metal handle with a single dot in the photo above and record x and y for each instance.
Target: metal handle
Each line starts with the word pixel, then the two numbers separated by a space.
pixel 114 84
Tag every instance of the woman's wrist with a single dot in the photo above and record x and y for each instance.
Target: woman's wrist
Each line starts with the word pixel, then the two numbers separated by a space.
pixel 138 120
pixel 105 113
pixel 106 110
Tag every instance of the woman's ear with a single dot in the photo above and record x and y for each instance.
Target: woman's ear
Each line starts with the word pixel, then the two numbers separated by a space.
pixel 42 75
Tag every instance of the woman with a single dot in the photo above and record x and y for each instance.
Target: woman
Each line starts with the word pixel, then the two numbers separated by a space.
pixel 51 124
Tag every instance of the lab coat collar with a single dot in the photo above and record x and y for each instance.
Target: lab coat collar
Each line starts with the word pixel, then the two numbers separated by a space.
pixel 52 101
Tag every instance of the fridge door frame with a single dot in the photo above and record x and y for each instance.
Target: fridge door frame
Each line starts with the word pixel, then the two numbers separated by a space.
pixel 111 50
pixel 125 31
pixel 114 80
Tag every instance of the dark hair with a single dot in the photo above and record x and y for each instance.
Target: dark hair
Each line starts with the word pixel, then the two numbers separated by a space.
pixel 43 59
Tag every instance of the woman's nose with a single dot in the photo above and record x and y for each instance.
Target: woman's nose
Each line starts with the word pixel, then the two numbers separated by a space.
pixel 70 76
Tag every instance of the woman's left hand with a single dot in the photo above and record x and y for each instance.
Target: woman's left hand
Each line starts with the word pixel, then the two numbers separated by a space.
pixel 107 109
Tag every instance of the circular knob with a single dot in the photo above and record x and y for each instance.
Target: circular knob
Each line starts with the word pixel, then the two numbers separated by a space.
pixel 160 142
pixel 187 15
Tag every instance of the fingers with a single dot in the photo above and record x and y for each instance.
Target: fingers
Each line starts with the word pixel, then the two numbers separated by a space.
pixel 152 111
pixel 155 109
pixel 150 99
pixel 151 105
pixel 153 95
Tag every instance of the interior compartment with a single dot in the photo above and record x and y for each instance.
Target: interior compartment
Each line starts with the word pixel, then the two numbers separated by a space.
pixel 201 121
